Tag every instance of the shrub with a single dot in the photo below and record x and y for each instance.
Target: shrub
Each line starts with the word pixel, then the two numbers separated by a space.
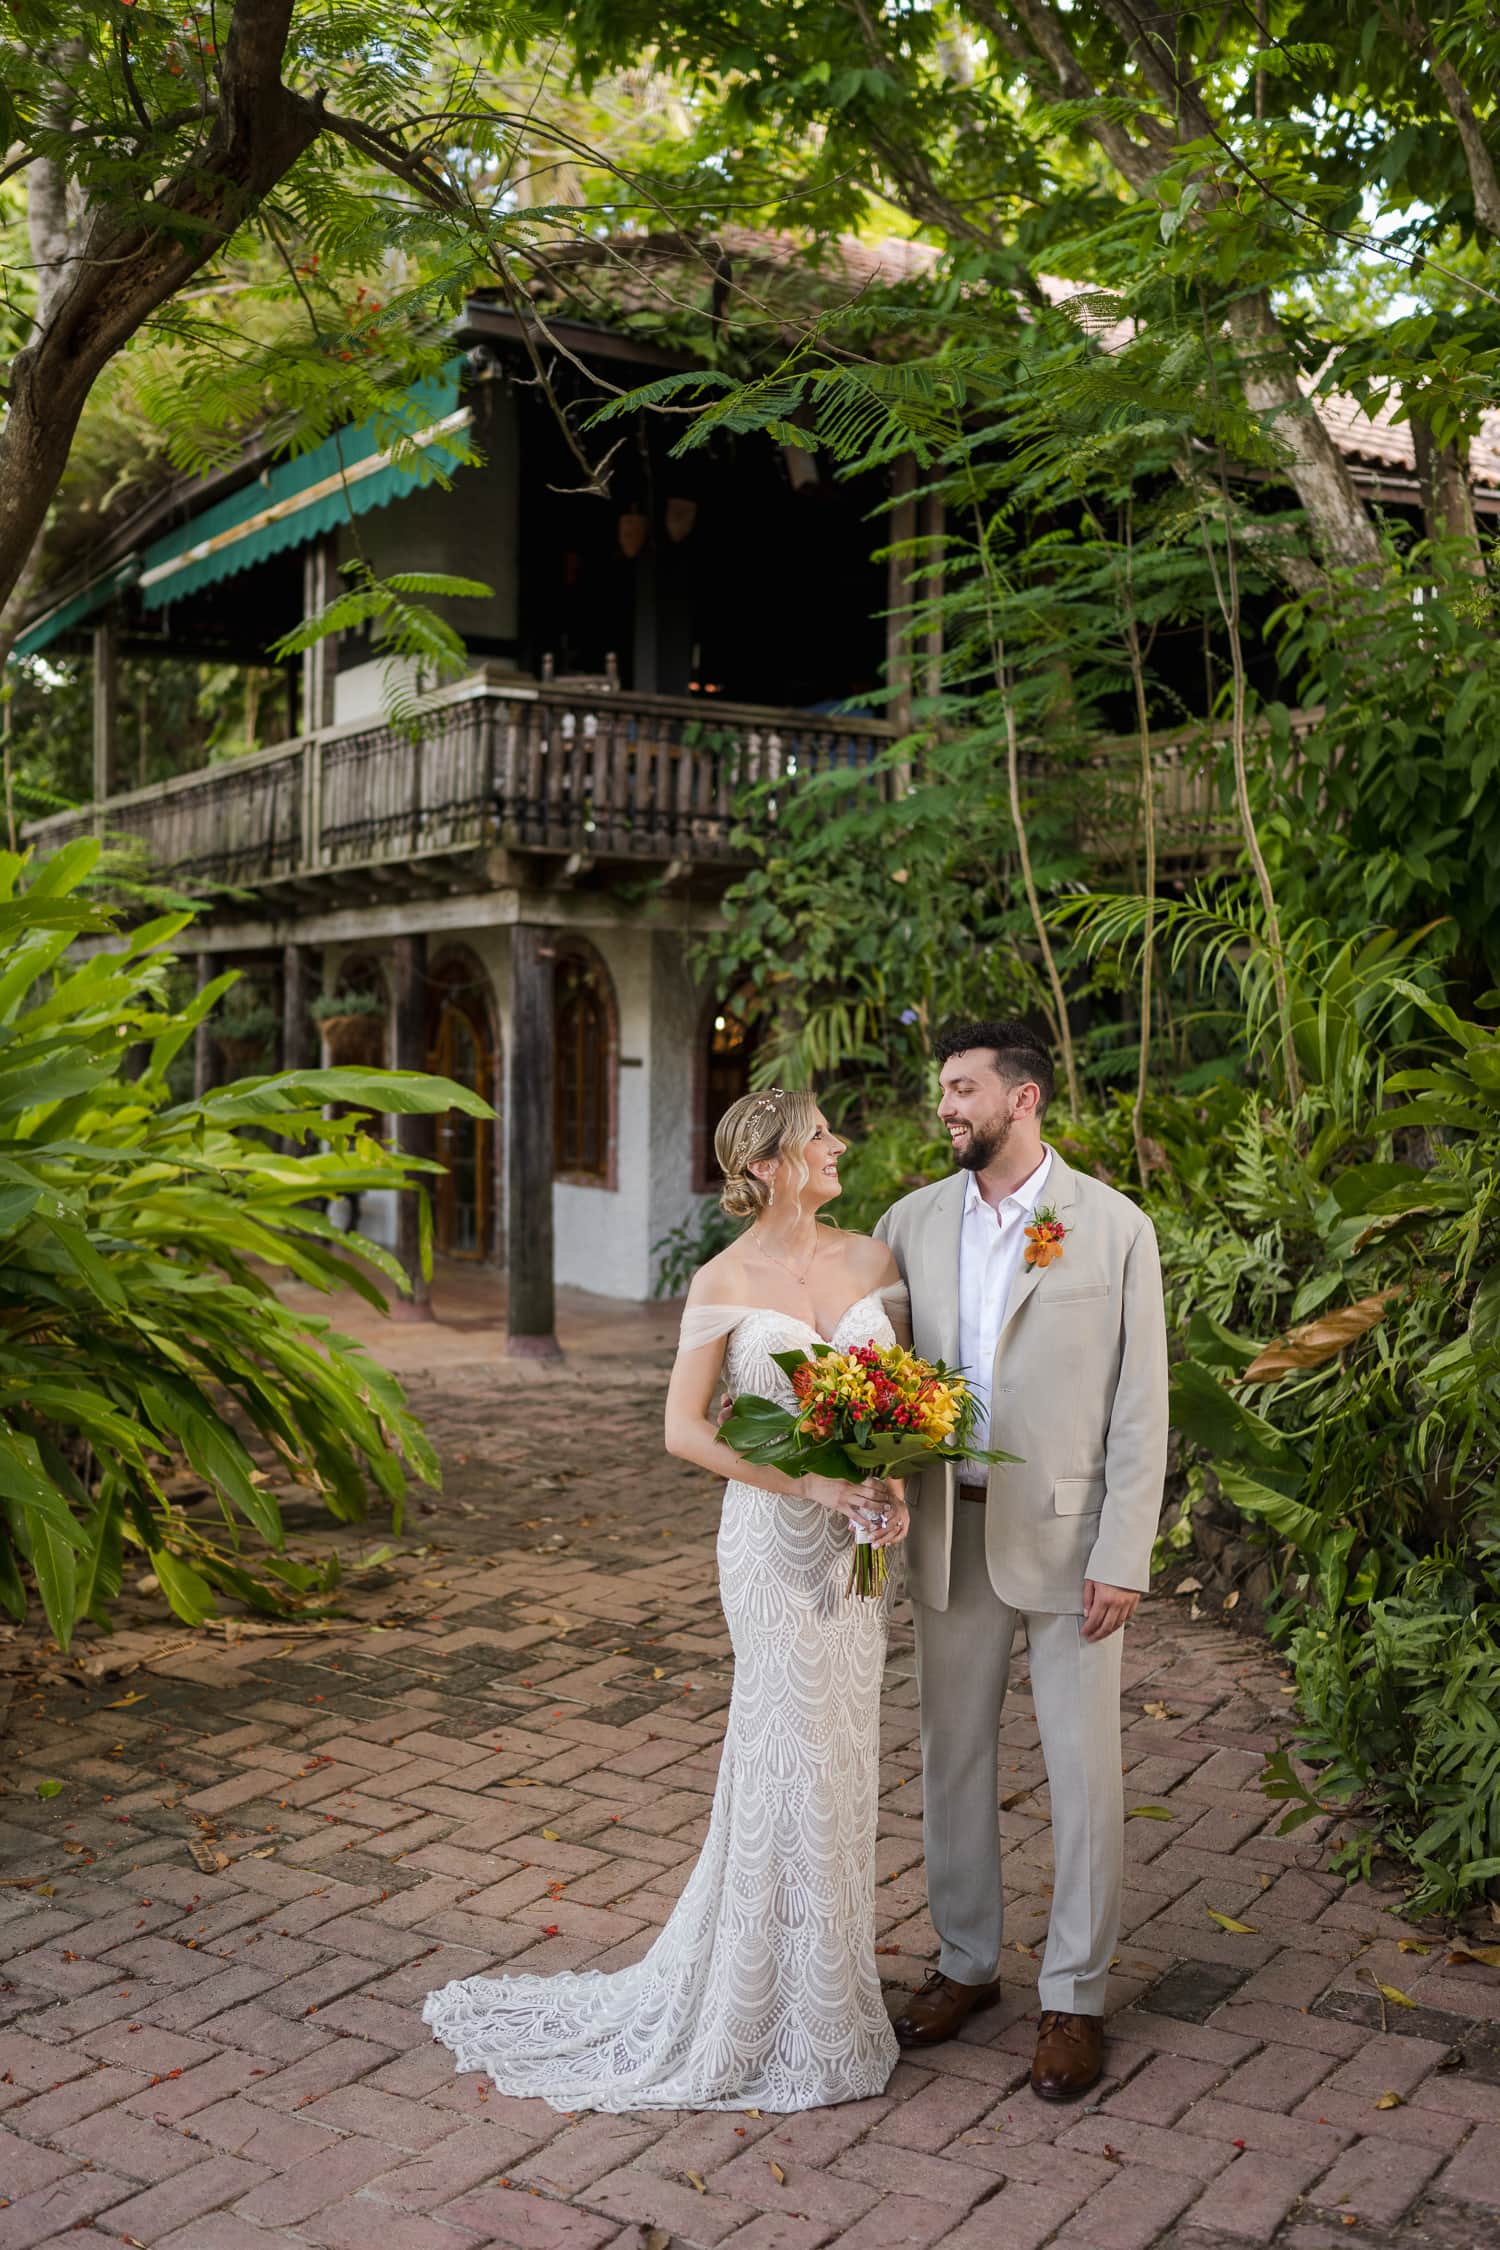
pixel 138 1329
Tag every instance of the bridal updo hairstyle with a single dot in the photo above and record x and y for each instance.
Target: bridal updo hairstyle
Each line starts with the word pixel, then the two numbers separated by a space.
pixel 755 1130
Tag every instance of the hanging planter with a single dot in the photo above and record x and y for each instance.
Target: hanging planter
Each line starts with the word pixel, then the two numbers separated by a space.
pixel 353 1027
pixel 632 531
pixel 244 1037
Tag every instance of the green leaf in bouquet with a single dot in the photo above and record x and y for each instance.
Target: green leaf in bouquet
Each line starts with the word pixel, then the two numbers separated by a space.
pixel 789 1362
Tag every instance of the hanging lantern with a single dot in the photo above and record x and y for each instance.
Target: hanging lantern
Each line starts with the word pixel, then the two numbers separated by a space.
pixel 632 531
pixel 681 515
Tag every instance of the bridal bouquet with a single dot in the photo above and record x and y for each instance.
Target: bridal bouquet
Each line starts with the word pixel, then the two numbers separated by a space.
pixel 876 1410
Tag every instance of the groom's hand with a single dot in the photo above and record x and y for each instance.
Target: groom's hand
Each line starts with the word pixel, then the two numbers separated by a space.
pixel 1106 1609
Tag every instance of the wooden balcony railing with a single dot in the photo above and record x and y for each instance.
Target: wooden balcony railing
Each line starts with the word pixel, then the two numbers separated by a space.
pixel 609 776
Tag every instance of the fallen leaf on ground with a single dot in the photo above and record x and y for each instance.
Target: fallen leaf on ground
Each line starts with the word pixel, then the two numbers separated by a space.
pixel 123 1702
pixel 513 1783
pixel 1189 1586
pixel 49 1788
pixel 1231 1599
pixel 1411 1945
pixel 1228 1922
pixel 655 2238
pixel 1392 1992
pixel 776 2173
pixel 550 1836
pixel 1488 1954
pixel 1149 1812
pixel 1388 2101
pixel 696 2180
pixel 1159 1711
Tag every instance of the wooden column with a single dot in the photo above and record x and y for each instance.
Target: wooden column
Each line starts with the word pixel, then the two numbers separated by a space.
pixel 320 582
pixel 301 967
pixel 931 517
pixel 530 1310
pixel 106 711
pixel 415 1136
pixel 901 526
pixel 209 966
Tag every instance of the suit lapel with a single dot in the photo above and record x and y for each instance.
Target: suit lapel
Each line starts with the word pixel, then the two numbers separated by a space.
pixel 939 1248
pixel 1060 1190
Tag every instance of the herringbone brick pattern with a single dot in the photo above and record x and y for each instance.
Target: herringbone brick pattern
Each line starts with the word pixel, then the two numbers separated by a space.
pixel 266 1849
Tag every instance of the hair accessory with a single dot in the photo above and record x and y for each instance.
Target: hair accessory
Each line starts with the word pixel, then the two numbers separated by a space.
pixel 768 1100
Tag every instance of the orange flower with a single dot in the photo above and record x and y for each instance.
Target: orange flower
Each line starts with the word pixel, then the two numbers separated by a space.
pixel 1044 1238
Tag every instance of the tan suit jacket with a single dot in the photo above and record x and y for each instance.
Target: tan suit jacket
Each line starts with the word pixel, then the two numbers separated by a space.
pixel 1078 1389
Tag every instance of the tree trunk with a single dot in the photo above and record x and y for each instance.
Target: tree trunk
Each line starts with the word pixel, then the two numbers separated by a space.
pixel 98 287
pixel 1447 501
pixel 1317 470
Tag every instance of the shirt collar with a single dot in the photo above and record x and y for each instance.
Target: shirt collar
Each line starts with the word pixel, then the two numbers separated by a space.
pixel 1023 1198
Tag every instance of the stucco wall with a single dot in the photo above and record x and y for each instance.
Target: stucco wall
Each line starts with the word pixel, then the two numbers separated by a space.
pixel 469 531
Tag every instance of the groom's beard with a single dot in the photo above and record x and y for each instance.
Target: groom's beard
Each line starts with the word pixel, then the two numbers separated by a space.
pixel 982 1144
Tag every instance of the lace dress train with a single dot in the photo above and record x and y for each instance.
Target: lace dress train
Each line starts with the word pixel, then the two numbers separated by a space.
pixel 761 1991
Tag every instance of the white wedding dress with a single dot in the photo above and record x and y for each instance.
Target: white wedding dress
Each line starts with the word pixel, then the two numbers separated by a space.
pixel 762 1990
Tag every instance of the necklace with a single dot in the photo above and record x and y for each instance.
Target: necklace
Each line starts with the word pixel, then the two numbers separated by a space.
pixel 799 1278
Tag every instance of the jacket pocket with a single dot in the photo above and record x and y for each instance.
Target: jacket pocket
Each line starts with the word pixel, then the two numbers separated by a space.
pixel 1081 1294
pixel 1078 1496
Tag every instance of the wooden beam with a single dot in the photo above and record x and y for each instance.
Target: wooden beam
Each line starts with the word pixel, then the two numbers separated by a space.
pixel 531 1317
pixel 320 663
pixel 106 710
pixel 209 966
pixel 931 523
pixel 901 524
pixel 301 971
pixel 415 1136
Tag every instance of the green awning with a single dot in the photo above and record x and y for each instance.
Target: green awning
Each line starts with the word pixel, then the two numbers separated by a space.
pixel 68 614
pixel 298 500
pixel 286 506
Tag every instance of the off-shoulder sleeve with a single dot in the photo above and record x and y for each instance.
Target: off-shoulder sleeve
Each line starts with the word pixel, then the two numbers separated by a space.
pixel 705 1324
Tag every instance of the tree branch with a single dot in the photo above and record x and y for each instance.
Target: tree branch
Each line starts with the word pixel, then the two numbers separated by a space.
pixel 128 266
pixel 1483 180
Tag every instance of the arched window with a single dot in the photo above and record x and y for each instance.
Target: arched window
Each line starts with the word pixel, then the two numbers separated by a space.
pixel 462 1045
pixel 584 1093
pixel 726 1050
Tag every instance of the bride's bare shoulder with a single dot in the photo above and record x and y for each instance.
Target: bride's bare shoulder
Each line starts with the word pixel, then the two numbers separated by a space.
pixel 871 1263
pixel 720 1280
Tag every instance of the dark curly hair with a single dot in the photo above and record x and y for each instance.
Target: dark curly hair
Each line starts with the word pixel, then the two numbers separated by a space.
pixel 1017 1049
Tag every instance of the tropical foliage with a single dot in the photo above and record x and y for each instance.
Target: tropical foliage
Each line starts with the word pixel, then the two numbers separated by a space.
pixel 140 1235
pixel 1333 1272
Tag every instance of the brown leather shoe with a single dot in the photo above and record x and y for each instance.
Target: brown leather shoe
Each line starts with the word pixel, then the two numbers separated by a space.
pixel 1069 2055
pixel 936 2011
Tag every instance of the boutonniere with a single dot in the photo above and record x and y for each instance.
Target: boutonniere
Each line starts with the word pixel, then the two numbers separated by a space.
pixel 1045 1237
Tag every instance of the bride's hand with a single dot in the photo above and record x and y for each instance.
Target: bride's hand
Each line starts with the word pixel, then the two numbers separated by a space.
pixel 897 1521
pixel 861 1500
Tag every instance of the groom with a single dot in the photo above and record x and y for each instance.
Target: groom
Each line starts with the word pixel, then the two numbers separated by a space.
pixel 1044 1286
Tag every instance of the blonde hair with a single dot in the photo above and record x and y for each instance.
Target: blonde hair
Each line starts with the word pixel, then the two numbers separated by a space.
pixel 755 1130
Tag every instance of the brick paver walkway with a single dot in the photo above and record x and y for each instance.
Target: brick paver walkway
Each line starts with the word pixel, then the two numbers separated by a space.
pixel 267 1848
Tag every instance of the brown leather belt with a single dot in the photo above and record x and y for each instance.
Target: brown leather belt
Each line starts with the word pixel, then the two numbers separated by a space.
pixel 979 1492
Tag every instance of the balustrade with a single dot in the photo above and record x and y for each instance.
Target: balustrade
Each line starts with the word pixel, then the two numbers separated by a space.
pixel 599 776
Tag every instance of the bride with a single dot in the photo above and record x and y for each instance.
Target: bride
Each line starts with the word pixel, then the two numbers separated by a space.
pixel 761 1991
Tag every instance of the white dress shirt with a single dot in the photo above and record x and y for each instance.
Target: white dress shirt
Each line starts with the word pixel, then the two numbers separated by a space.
pixel 990 1244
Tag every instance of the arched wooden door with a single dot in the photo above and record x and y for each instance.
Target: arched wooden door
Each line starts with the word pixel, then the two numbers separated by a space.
pixel 461 1047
